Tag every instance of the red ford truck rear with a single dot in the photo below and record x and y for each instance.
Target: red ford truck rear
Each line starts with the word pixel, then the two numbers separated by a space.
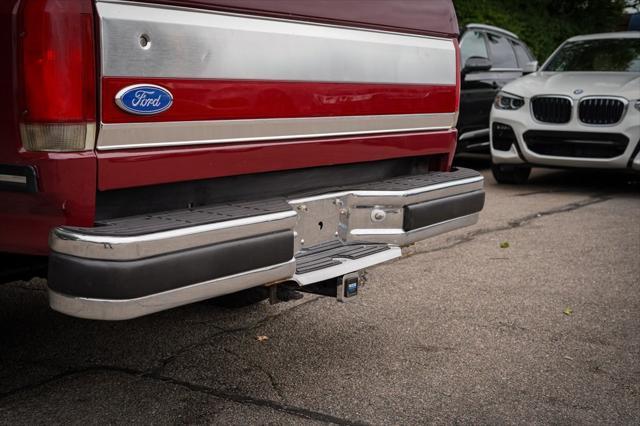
pixel 166 152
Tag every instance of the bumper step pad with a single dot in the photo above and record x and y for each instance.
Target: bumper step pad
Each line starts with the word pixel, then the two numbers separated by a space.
pixel 330 253
pixel 408 183
pixel 129 267
pixel 177 219
pixel 332 259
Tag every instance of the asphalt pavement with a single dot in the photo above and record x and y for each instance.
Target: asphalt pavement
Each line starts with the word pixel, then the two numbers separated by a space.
pixel 531 316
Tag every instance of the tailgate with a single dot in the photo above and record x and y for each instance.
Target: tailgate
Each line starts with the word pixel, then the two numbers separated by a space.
pixel 182 81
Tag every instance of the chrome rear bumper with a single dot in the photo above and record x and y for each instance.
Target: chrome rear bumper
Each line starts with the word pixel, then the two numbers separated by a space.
pixel 116 309
pixel 135 266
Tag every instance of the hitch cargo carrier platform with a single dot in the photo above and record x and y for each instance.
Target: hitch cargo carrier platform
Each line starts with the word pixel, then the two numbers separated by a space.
pixel 129 267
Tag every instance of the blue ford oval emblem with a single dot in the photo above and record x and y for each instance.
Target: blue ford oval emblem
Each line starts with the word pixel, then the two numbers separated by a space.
pixel 144 99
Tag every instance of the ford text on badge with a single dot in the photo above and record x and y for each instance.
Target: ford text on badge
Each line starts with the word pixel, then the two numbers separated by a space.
pixel 144 99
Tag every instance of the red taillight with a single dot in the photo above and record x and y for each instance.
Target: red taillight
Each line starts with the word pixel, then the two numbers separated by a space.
pixel 58 77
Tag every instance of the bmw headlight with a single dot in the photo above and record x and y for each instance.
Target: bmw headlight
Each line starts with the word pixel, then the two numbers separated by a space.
pixel 507 101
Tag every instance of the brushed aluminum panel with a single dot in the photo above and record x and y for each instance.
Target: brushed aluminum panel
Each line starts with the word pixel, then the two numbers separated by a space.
pixel 145 135
pixel 190 43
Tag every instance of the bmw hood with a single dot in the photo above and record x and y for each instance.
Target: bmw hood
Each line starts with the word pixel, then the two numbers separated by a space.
pixel 577 84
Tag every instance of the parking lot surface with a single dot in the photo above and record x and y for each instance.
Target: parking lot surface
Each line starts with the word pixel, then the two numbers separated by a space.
pixel 531 316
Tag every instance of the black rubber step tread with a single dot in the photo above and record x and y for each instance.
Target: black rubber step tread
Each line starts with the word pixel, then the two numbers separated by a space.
pixel 325 255
pixel 351 251
pixel 400 183
pixel 166 221
pixel 404 183
pixel 324 264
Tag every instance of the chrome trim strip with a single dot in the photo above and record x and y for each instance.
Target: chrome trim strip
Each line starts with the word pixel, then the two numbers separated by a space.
pixel 401 238
pixel 147 135
pixel 22 180
pixel 113 310
pixel 347 266
pixel 193 43
pixel 72 242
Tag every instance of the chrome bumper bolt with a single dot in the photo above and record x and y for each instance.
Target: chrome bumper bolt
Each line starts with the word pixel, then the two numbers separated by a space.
pixel 378 215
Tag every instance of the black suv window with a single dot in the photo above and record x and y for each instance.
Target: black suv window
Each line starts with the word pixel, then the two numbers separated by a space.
pixel 522 53
pixel 502 55
pixel 473 44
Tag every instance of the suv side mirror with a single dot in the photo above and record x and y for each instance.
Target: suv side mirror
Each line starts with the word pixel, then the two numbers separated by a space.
pixel 476 64
pixel 531 67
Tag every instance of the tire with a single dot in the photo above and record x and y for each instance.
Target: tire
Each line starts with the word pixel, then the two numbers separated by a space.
pixel 511 175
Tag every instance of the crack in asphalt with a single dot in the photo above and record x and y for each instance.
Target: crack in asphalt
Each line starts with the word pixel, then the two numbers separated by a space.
pixel 192 387
pixel 66 374
pixel 183 350
pixel 154 373
pixel 205 341
pixel 244 399
pixel 272 379
pixel 512 224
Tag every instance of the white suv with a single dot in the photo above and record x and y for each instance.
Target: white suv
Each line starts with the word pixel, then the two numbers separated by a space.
pixel 582 109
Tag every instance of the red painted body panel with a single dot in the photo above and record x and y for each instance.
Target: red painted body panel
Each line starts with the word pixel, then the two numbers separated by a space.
pixel 431 17
pixel 67 182
pixel 228 99
pixel 66 197
pixel 121 169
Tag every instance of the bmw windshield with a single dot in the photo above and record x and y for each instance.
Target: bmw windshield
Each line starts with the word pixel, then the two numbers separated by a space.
pixel 614 55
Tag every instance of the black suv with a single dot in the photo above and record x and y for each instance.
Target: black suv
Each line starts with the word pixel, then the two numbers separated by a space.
pixel 491 58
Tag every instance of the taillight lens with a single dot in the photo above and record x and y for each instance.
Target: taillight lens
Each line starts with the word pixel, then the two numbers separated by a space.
pixel 58 77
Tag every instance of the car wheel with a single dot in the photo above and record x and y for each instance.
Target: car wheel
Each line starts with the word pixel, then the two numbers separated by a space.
pixel 512 175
